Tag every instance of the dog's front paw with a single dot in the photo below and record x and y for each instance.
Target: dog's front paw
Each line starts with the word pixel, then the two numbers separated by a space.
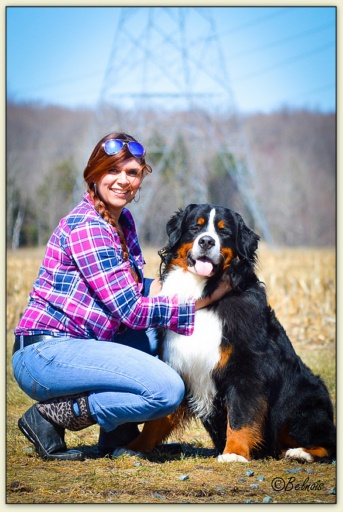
pixel 299 454
pixel 231 457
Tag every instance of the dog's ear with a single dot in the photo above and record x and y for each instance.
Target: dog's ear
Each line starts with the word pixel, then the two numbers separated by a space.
pixel 174 225
pixel 246 241
pixel 242 269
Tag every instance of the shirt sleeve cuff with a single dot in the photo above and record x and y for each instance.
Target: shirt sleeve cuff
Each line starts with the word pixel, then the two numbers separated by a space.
pixel 185 318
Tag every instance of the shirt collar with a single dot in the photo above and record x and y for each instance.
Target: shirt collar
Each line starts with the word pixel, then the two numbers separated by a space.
pixel 124 218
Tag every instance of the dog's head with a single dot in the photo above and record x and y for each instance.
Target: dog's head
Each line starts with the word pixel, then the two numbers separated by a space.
pixel 206 239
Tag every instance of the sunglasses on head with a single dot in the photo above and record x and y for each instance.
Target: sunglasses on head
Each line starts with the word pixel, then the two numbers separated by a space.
pixel 113 146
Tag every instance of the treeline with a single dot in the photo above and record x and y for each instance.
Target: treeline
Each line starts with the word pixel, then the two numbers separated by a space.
pixel 291 183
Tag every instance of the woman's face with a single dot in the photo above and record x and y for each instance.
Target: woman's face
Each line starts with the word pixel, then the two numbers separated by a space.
pixel 119 186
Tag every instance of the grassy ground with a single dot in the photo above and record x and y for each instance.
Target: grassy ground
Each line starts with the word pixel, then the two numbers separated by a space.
pixel 301 288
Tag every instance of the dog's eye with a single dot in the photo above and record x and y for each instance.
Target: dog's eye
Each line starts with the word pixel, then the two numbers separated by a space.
pixel 195 229
pixel 223 229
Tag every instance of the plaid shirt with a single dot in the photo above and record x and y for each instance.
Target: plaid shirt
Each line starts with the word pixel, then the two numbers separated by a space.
pixel 85 288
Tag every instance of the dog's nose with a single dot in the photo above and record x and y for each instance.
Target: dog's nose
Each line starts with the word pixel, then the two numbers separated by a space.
pixel 206 242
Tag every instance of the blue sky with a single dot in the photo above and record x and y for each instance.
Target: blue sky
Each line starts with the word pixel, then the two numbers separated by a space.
pixel 274 56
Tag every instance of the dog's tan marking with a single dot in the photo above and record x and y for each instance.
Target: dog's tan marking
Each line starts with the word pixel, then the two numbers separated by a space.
pixel 317 451
pixel 156 431
pixel 181 260
pixel 201 221
pixel 221 224
pixel 224 356
pixel 243 441
pixel 228 256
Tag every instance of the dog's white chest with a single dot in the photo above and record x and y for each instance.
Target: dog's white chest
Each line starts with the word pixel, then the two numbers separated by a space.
pixel 194 357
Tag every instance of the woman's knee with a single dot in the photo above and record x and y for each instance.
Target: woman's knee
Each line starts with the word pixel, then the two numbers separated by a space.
pixel 171 392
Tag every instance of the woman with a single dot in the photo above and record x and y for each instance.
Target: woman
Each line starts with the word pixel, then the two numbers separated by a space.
pixel 85 345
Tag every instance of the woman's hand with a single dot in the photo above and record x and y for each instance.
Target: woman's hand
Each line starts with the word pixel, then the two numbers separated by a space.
pixel 223 288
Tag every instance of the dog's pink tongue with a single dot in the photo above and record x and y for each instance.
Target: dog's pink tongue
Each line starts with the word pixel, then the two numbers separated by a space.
pixel 203 267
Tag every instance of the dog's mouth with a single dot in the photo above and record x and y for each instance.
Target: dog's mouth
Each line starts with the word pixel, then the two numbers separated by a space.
pixel 202 266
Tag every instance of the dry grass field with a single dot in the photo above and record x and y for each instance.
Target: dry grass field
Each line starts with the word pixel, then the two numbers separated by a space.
pixel 301 285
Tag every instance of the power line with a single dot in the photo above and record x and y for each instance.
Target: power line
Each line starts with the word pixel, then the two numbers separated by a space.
pixel 59 82
pixel 257 21
pixel 278 42
pixel 252 75
pixel 285 62
pixel 313 91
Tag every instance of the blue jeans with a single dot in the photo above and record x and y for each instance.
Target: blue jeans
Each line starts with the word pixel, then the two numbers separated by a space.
pixel 124 384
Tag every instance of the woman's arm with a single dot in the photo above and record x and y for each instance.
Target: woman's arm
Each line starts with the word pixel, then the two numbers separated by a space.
pixel 223 288
pixel 97 254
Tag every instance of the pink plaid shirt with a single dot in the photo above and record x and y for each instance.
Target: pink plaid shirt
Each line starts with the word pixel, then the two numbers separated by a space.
pixel 85 289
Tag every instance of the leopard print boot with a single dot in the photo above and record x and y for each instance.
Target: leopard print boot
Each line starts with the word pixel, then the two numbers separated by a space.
pixel 61 412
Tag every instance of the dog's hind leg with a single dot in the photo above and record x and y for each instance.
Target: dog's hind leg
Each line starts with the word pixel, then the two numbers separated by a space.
pixel 156 431
pixel 313 441
pixel 307 454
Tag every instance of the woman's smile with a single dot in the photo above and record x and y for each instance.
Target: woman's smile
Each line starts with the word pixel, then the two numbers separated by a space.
pixel 120 192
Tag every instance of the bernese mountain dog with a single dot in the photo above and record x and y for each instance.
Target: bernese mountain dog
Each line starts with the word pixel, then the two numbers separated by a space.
pixel 244 381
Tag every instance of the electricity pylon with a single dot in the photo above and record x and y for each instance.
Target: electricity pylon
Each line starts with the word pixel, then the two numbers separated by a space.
pixel 166 74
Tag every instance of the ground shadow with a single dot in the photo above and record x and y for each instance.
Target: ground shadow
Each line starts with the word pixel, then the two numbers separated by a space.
pixel 163 453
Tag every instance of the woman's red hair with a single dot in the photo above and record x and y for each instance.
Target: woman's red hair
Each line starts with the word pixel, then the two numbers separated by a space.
pixel 99 164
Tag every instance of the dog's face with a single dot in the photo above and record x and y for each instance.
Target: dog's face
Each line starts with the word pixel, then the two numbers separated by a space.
pixel 205 239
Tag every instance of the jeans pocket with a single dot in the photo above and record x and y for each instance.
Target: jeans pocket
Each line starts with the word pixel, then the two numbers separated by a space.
pixel 28 383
